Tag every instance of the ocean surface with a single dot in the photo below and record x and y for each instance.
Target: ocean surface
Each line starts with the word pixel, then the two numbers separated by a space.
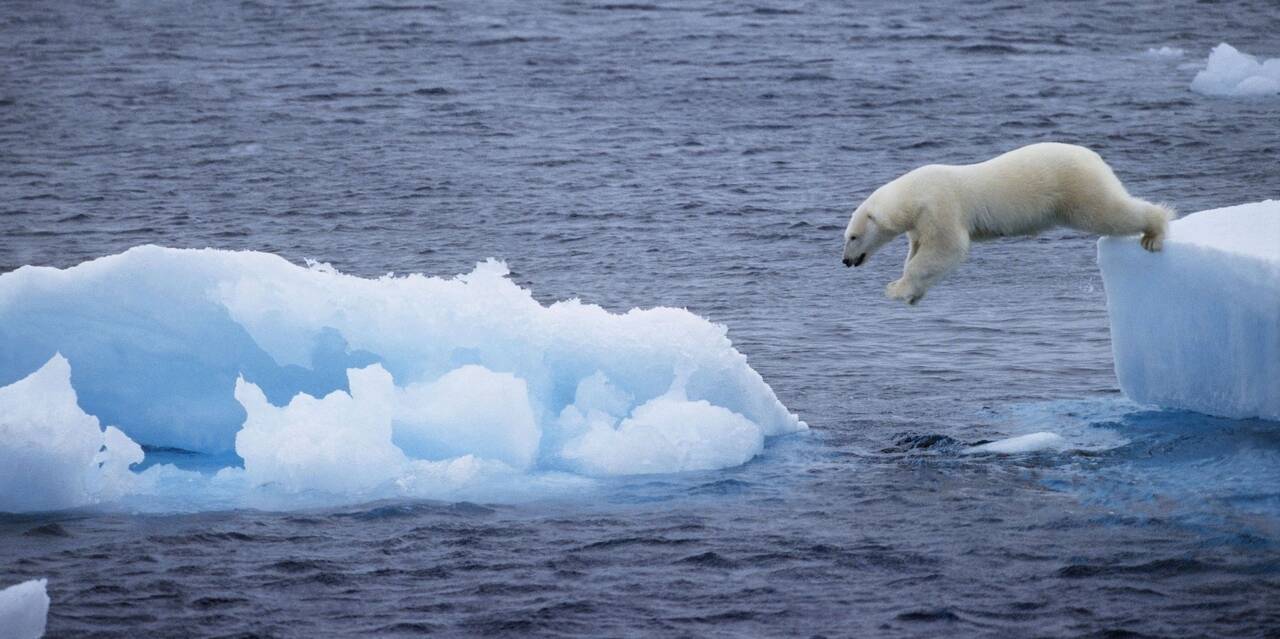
pixel 693 154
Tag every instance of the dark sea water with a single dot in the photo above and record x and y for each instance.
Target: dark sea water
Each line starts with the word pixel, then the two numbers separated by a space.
pixel 695 154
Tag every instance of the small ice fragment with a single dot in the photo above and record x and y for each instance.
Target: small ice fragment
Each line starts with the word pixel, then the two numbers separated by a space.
pixel 1020 444
pixel 1231 73
pixel 339 443
pixel 667 434
pixel 1165 52
pixel 24 610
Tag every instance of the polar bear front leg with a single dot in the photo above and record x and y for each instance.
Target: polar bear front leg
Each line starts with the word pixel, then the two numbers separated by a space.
pixel 903 289
pixel 929 260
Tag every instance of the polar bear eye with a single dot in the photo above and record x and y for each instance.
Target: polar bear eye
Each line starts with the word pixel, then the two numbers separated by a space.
pixel 853 237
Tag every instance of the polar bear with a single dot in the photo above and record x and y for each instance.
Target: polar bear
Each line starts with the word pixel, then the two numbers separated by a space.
pixel 942 208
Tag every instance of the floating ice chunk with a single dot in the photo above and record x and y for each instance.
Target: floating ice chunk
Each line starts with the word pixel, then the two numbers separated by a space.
pixel 1165 52
pixel 159 337
pixel 471 410
pixel 346 443
pixel 340 443
pixel 24 610
pixel 665 435
pixel 1031 443
pixel 52 454
pixel 1197 326
pixel 1229 72
pixel 472 425
pixel 325 383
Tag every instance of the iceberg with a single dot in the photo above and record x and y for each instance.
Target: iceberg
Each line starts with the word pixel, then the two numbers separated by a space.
pixel 1197 326
pixel 1229 72
pixel 651 439
pixel 321 382
pixel 24 610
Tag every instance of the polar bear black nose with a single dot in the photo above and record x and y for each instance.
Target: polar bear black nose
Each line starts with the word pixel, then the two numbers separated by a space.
pixel 848 262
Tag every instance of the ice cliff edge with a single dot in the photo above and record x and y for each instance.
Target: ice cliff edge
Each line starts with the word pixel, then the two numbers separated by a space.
pixel 1197 326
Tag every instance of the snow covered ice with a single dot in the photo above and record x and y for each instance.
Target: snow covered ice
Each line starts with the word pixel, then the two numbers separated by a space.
pixel 1229 72
pixel 329 383
pixel 24 609
pixel 1197 326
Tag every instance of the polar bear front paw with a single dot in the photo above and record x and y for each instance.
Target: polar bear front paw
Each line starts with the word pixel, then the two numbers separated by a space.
pixel 903 290
pixel 1152 243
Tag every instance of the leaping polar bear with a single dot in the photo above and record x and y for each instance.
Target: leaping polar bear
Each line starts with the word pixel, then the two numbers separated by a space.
pixel 942 208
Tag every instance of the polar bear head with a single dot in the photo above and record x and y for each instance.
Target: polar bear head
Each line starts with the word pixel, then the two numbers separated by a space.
pixel 865 234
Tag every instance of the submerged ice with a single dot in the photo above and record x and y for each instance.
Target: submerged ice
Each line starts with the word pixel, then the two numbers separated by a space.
pixel 326 382
pixel 1197 326
pixel 1029 443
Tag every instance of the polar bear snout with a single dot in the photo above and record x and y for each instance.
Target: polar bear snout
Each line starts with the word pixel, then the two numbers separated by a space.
pixel 855 252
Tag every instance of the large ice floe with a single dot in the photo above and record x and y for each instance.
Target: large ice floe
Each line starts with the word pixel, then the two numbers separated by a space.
pixel 328 383
pixel 24 610
pixel 1197 326
pixel 1229 72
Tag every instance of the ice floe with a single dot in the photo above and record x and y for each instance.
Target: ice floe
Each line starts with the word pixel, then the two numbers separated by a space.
pixel 1197 326
pixel 329 383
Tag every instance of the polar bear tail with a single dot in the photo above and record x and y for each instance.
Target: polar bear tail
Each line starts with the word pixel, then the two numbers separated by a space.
pixel 1155 228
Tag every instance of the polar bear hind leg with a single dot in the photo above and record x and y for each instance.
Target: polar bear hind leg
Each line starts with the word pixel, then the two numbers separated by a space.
pixel 1106 208
pixel 1128 215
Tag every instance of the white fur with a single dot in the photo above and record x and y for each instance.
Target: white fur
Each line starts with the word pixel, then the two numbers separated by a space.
pixel 942 208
